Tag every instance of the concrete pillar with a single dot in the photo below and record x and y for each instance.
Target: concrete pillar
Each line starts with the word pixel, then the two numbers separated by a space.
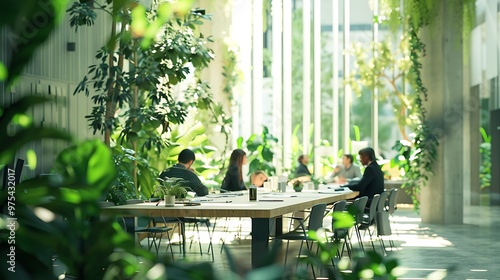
pixel 441 201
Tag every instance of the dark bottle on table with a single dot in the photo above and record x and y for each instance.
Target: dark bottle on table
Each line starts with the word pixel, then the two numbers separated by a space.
pixel 252 192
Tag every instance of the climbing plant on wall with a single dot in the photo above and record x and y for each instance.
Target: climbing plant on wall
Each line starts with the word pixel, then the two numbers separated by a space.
pixel 413 15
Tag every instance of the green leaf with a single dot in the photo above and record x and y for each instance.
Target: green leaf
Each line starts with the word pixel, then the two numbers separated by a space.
pixel 3 72
pixel 190 134
pixel 342 220
pixel 31 159
pixel 139 22
pixel 239 142
pixel 75 163
pixel 267 154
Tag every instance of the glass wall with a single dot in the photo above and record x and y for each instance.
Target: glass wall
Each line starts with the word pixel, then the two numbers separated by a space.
pixel 324 74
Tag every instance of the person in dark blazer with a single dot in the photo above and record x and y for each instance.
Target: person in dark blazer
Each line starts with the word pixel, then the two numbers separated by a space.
pixel 302 169
pixel 233 181
pixel 372 182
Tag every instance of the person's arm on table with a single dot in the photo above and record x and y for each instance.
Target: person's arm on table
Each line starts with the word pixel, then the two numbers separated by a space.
pixel 197 185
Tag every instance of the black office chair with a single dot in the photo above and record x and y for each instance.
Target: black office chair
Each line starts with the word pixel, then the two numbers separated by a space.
pixel 155 232
pixel 315 222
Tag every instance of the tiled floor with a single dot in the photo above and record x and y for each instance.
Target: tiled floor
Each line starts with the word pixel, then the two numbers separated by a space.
pixel 468 251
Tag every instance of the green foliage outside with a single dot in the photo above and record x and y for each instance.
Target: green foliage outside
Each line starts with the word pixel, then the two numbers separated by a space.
pixel 388 72
pixel 485 167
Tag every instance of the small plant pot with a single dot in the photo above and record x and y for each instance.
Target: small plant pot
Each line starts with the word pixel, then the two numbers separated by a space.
pixel 169 200
pixel 298 188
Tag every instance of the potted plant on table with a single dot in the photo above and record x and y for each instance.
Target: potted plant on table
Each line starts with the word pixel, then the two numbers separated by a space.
pixel 171 189
pixel 298 185
pixel 316 181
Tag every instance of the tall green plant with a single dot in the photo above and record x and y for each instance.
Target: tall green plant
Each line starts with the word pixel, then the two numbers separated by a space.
pixel 137 104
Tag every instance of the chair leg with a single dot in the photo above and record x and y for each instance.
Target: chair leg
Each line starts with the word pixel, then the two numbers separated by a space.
pixel 382 246
pixel 360 240
pixel 170 246
pixel 210 236
pixel 309 249
pixel 286 251
pixel 394 223
pixel 371 237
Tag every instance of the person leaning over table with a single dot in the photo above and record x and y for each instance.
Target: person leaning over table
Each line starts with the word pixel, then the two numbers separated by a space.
pixel 182 169
pixel 302 169
pixel 233 181
pixel 372 182
pixel 347 171
pixel 258 178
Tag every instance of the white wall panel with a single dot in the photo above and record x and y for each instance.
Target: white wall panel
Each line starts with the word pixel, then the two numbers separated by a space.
pixel 55 72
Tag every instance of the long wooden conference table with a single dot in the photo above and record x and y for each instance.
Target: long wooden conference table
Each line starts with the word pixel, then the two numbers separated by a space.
pixel 266 211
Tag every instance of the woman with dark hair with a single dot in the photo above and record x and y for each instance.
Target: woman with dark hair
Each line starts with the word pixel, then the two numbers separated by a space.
pixel 233 181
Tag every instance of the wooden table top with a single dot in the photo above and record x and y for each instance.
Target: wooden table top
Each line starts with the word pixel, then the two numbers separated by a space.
pixel 268 205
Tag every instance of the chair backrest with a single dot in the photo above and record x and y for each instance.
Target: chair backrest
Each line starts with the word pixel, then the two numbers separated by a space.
pixel 373 208
pixel 382 202
pixel 357 208
pixel 316 216
pixel 338 206
pixel 392 201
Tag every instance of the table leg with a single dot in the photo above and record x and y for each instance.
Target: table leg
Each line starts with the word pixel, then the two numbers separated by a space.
pixel 279 225
pixel 183 233
pixel 260 239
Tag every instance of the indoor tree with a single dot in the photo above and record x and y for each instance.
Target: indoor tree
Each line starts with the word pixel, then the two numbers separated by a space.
pixel 388 71
pixel 143 81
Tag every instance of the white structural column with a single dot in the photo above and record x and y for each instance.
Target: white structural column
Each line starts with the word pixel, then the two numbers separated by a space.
pixel 306 74
pixel 375 89
pixel 317 83
pixel 347 89
pixel 441 200
pixel 277 22
pixel 257 67
pixel 335 80
pixel 242 33
pixel 287 84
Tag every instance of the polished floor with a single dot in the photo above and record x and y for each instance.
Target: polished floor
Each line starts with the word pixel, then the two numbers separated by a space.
pixel 423 251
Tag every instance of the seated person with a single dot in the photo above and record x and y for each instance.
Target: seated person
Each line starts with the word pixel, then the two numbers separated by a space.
pixel 372 182
pixel 258 178
pixel 183 170
pixel 233 181
pixel 346 172
pixel 302 169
